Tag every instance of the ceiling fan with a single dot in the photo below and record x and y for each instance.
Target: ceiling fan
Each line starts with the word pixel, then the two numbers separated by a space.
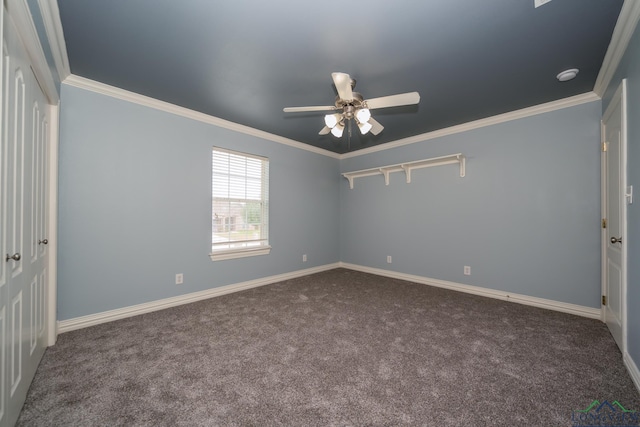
pixel 351 105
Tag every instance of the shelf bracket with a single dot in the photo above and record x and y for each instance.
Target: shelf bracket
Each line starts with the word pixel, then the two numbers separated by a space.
pixel 350 178
pixel 463 162
pixel 407 171
pixel 385 172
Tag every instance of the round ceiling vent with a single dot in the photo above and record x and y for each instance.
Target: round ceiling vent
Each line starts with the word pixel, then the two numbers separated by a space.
pixel 568 75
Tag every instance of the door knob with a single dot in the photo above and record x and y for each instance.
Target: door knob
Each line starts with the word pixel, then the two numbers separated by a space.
pixel 615 240
pixel 15 257
pixel 44 241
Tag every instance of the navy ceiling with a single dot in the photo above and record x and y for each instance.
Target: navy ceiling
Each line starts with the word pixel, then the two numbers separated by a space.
pixel 244 60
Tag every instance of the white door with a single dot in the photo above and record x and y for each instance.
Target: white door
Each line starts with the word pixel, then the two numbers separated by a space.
pixel 614 208
pixel 23 225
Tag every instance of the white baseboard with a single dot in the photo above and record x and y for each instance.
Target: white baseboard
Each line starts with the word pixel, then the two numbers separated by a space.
pixel 633 369
pixel 593 313
pixel 134 310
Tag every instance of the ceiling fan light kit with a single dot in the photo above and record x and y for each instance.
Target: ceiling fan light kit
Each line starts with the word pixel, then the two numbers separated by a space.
pixel 355 107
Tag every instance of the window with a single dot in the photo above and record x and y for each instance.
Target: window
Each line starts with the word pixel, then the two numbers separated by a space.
pixel 240 205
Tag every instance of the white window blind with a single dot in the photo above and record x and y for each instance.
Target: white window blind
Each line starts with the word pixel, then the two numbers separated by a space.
pixel 240 204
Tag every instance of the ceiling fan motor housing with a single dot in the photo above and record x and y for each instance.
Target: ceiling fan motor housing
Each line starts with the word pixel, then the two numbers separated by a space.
pixel 349 107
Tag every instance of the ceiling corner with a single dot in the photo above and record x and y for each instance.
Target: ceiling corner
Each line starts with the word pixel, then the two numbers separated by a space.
pixel 624 29
pixel 55 34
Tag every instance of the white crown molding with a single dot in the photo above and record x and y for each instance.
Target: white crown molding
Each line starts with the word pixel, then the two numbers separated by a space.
pixel 592 313
pixel 115 92
pixel 21 15
pixel 632 368
pixel 489 121
pixel 53 26
pixel 134 310
pixel 125 95
pixel 624 29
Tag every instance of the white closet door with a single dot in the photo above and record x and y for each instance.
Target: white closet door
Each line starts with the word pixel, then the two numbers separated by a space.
pixel 614 265
pixel 23 206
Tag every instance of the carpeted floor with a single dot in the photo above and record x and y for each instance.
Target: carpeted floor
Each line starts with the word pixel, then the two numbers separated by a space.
pixel 335 348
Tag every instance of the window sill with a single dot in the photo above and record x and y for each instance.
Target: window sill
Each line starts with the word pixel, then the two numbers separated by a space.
pixel 239 253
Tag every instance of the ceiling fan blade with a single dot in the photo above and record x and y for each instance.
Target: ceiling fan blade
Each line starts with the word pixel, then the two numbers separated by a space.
pixel 343 85
pixel 376 127
pixel 302 109
pixel 409 98
pixel 325 130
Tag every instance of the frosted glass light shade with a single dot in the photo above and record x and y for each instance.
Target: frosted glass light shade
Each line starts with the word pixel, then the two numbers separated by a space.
pixel 337 130
pixel 331 120
pixel 364 127
pixel 363 115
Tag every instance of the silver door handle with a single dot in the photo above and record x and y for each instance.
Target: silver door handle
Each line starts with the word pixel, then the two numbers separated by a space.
pixel 44 241
pixel 615 240
pixel 15 257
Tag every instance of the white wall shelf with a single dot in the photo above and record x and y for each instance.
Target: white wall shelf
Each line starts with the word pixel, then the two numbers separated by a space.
pixel 407 168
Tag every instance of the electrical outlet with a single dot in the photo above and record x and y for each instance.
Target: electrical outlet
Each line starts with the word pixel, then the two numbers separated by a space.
pixel 304 258
pixel 179 279
pixel 388 259
pixel 467 270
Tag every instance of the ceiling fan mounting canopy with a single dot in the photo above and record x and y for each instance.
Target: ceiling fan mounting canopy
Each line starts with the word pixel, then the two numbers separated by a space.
pixel 354 106
pixel 349 106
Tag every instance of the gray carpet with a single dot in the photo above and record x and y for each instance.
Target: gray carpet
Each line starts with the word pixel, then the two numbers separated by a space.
pixel 334 348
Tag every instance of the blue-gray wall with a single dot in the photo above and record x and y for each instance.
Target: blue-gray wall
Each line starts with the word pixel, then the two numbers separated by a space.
pixel 525 217
pixel 135 205
pixel 629 68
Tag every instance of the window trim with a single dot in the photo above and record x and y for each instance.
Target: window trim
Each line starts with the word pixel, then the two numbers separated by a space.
pixel 247 251
pixel 239 253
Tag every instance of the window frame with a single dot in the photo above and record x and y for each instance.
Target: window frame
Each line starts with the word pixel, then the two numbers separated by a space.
pixel 263 247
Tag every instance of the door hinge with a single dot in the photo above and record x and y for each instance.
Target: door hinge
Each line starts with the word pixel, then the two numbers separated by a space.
pixel 604 222
pixel 604 146
pixel 604 300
